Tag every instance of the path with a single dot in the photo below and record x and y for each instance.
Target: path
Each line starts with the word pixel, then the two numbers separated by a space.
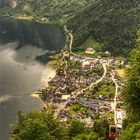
pixel 98 81
pixel 70 36
pixel 63 105
pixel 115 98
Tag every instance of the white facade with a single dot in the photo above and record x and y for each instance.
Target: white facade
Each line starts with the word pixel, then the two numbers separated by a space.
pixel 65 97
pixel 90 51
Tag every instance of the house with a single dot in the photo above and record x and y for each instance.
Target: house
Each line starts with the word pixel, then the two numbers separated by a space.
pixel 90 51
pixel 107 52
pixel 65 97
pixel 76 58
pixel 86 62
pixel 66 54
pixel 44 19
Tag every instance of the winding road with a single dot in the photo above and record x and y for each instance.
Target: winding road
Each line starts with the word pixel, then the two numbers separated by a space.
pixel 71 38
pixel 76 93
pixel 63 105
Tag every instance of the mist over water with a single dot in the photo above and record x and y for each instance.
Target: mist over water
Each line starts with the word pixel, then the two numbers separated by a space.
pixel 19 74
pixel 24 52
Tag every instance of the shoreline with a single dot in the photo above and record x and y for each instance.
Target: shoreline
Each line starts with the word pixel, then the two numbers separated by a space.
pixel 30 18
pixel 45 78
pixel 52 65
pixel 48 74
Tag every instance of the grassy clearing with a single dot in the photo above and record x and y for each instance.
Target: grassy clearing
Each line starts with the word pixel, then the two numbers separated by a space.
pixel 76 108
pixel 121 72
pixel 91 43
pixel 107 90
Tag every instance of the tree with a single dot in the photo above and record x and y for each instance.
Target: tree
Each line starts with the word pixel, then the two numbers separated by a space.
pixel 131 126
pixel 45 126
pixel 101 127
pixel 38 126
pixel 76 128
pixel 132 132
pixel 112 23
pixel 90 136
pixel 132 86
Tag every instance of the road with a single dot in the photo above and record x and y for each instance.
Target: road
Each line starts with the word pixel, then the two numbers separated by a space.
pixel 98 81
pixel 115 97
pixel 71 41
pixel 62 105
pixel 71 38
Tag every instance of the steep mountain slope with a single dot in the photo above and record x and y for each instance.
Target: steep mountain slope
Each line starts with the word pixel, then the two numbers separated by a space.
pixel 131 95
pixel 53 10
pixel 111 22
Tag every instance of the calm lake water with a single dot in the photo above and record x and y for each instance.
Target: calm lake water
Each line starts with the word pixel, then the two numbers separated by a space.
pixel 25 48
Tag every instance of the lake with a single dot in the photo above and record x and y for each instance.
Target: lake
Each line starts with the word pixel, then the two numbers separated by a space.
pixel 25 48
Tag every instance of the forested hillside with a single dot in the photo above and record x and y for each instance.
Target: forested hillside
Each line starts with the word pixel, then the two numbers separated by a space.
pixel 131 128
pixel 54 10
pixel 112 22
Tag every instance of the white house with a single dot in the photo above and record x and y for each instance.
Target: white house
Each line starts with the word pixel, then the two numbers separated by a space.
pixel 90 51
pixel 65 97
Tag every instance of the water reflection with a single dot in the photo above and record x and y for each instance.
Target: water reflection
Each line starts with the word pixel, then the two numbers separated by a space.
pixel 19 73
pixel 20 76
pixel 48 37
pixel 25 48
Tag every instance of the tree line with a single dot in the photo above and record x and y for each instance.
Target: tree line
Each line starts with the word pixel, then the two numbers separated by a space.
pixel 45 126
pixel 131 93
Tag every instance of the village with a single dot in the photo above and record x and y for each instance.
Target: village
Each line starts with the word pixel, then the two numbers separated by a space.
pixel 86 88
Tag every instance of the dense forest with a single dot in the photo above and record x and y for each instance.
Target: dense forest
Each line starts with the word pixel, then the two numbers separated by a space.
pixel 54 10
pixel 45 126
pixel 131 126
pixel 112 23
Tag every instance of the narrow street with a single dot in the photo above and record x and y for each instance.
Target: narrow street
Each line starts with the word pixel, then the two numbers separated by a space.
pixel 98 81
pixel 70 38
pixel 75 94
pixel 62 105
